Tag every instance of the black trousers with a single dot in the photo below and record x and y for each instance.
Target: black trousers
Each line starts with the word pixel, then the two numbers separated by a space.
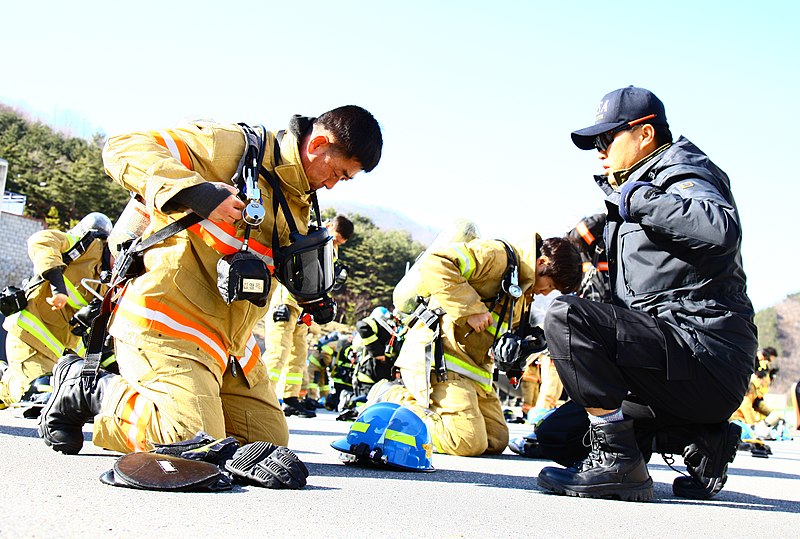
pixel 603 353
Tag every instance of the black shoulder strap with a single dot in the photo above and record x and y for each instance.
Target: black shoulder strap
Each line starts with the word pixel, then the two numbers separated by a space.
pixel 80 247
pixel 170 230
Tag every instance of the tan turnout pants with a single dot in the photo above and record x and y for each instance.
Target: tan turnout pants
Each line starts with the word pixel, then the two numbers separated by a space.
pixel 164 398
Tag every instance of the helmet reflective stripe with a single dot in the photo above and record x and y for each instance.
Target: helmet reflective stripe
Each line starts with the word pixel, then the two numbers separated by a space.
pixel 400 437
pixel 74 297
pixel 35 327
pixel 406 443
pixel 466 262
pixel 479 376
pixel 360 427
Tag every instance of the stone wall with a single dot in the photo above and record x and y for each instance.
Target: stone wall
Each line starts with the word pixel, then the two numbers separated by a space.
pixel 14 233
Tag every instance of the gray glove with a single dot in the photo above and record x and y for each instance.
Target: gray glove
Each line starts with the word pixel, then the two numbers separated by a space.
pixel 267 465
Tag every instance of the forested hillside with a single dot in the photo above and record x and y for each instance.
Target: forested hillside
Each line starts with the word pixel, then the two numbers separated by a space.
pixel 61 176
pixel 779 326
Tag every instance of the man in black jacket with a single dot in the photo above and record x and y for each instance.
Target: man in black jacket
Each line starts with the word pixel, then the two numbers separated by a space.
pixel 678 337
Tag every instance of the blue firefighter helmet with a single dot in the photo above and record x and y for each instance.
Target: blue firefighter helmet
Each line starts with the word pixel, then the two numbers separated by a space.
pixel 367 429
pixel 406 442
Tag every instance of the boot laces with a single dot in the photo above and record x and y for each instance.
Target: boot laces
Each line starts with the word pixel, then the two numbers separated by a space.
pixel 596 438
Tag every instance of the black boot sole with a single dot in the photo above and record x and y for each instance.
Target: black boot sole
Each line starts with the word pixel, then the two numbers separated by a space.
pixel 641 492
pixel 692 488
pixel 59 374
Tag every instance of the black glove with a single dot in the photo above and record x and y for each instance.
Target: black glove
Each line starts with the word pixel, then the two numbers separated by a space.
pixel 201 439
pixel 267 465
pixel 533 343
pixel 217 452
pixel 506 351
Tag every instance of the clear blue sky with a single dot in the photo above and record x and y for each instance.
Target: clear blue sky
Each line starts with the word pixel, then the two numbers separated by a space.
pixel 476 99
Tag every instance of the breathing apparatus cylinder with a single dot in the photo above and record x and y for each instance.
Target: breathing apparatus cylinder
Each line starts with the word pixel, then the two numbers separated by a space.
pixel 410 286
pixel 132 223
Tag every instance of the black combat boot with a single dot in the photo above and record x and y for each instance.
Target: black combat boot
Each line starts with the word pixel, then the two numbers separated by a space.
pixel 71 406
pixel 614 468
pixel 707 461
pixel 293 406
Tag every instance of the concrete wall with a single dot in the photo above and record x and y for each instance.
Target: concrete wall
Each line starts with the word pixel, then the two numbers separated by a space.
pixel 14 233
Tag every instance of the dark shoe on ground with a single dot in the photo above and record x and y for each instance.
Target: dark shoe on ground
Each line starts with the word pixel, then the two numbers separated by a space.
pixel 311 404
pixel 293 406
pixel 707 461
pixel 71 406
pixel 614 468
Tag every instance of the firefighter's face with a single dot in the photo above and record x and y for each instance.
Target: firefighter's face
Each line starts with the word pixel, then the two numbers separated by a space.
pixel 325 164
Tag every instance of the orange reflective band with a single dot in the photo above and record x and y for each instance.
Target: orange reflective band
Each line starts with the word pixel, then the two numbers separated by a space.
pixel 148 312
pixel 252 353
pixel 585 233
pixel 602 266
pixel 222 238
pixel 136 416
pixel 177 148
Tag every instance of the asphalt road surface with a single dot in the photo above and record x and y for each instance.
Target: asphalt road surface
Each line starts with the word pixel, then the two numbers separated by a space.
pixel 47 494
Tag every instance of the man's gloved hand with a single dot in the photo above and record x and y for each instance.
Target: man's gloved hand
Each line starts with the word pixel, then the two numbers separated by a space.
pixel 267 465
pixel 217 452
pixel 506 351
pixel 625 195
pixel 201 439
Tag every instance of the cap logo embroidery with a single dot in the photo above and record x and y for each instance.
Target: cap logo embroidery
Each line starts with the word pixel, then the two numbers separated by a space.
pixel 686 185
pixel 602 108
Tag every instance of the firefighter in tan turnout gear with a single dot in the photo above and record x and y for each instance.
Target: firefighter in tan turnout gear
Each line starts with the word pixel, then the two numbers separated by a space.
pixel 464 281
pixel 187 358
pixel 39 333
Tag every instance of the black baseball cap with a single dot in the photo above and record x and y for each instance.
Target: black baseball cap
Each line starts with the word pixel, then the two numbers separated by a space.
pixel 618 108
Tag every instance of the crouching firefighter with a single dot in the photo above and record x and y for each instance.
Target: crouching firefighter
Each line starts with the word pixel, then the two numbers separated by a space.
pixel 445 362
pixel 195 287
pixel 41 327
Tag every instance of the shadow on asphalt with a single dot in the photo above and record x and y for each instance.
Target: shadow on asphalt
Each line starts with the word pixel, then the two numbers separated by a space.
pixel 439 476
pixel 32 432
pixel 737 471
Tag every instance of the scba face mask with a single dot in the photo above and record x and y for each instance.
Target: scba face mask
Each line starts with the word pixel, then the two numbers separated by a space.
pixel 305 266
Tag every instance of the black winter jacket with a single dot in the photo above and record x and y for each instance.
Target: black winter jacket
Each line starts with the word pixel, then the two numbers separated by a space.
pixel 680 259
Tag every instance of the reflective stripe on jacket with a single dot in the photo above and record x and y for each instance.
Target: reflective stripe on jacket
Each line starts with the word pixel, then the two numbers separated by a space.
pixel 38 325
pixel 464 279
pixel 181 271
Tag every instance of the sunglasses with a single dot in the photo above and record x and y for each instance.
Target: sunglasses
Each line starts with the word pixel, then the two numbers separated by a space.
pixel 603 141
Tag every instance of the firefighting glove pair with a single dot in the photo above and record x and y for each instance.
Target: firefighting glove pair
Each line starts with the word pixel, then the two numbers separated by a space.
pixel 267 465
pixel 260 463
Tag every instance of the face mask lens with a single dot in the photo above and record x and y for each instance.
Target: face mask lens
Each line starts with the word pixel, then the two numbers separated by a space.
pixel 309 273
